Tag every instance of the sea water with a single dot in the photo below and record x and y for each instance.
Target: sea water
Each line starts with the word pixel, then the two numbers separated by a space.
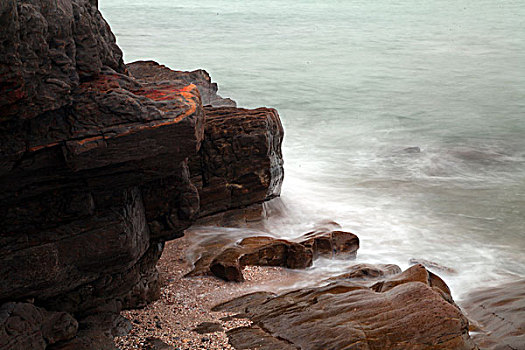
pixel 404 120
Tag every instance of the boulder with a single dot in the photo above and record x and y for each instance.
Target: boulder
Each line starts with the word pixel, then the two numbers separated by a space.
pixel 248 338
pixel 331 244
pixel 260 251
pixel 229 262
pixel 416 273
pixel 25 326
pixel 346 315
pixel 153 343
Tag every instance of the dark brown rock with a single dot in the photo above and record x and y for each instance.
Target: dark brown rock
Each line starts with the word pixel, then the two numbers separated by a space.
pixel 269 251
pixel 157 344
pixel 210 247
pixel 25 326
pixel 261 251
pixel 368 271
pixel 150 71
pixel 500 313
pixel 227 265
pixel 247 217
pixel 208 327
pixel 247 338
pixel 240 160
pixel 94 170
pixel 101 244
pixel 331 244
pixel 416 273
pixel 242 303
pixel 46 48
pixel 345 315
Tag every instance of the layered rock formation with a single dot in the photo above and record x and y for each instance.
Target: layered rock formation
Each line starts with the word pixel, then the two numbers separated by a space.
pixel 95 172
pixel 152 72
pixel 407 311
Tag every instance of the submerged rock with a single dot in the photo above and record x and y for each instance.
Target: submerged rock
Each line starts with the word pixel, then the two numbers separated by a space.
pixel 414 149
pixel 432 265
pixel 343 315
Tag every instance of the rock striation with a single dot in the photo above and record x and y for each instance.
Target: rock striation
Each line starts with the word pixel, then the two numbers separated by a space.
pixel 405 311
pixel 500 314
pixel 98 168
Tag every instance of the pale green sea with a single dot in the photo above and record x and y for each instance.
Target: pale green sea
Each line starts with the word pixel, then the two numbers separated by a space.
pixel 356 83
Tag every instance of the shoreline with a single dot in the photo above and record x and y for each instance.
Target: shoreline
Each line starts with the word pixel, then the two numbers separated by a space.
pixel 185 302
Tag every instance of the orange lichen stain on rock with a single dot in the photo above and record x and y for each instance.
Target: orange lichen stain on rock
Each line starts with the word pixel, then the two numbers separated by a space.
pixel 90 139
pixel 39 147
pixel 166 92
pixel 187 94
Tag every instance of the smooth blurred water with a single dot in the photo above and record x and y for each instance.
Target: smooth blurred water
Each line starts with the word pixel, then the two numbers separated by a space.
pixel 357 83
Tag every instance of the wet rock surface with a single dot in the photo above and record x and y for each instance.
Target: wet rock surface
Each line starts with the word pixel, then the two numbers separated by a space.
pixel 368 272
pixel 432 265
pixel 95 172
pixel 406 314
pixel 226 261
pixel 500 314
pixel 416 273
pixel 331 244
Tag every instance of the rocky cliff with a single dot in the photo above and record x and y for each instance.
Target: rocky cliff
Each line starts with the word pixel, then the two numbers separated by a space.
pixel 100 164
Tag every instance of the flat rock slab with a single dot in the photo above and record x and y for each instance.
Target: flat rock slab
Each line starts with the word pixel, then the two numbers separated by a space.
pixel 208 327
pixel 500 313
pixel 248 338
pixel 157 344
